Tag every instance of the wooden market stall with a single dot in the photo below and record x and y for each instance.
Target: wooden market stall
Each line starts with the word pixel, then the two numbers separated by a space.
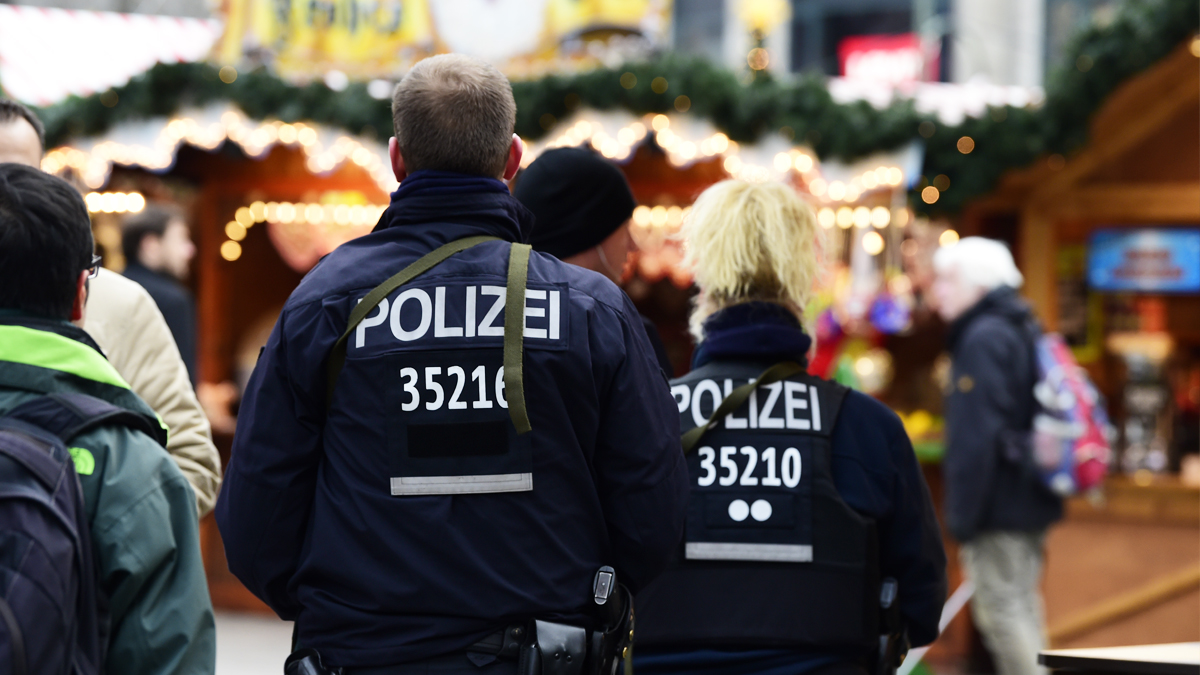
pixel 258 224
pixel 1127 570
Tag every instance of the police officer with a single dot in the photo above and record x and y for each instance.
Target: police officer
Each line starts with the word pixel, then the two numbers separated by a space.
pixel 452 452
pixel 808 510
pixel 582 205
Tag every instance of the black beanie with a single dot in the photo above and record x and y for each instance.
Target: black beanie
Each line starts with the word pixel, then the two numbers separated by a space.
pixel 578 199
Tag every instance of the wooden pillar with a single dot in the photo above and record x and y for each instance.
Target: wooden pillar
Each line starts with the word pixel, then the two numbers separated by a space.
pixel 1038 260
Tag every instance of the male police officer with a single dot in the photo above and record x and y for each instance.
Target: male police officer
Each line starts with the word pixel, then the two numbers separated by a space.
pixel 415 495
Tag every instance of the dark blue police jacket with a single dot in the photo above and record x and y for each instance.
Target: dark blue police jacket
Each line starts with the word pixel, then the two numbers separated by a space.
pixel 875 473
pixel 322 513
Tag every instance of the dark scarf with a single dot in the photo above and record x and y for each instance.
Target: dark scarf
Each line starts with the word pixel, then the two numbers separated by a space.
pixel 429 182
pixel 1003 301
pixel 476 202
pixel 757 331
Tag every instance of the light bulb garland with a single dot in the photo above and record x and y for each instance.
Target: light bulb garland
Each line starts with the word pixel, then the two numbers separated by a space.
pixel 1004 138
pixel 344 221
pixel 114 202
pixel 322 155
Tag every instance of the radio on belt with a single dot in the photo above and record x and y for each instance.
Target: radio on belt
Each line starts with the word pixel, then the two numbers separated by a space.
pixel 603 584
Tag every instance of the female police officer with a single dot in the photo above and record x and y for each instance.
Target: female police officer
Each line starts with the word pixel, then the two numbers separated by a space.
pixel 805 497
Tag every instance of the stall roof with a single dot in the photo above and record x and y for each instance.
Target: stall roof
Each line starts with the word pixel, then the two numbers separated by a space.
pixel 35 66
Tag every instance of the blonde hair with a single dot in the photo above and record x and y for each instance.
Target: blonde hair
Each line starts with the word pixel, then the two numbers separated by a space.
pixel 750 242
pixel 454 113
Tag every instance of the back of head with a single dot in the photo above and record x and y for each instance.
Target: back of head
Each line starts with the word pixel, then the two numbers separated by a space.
pixel 578 199
pixel 45 241
pixel 17 144
pixel 454 113
pixel 151 221
pixel 750 242
pixel 986 264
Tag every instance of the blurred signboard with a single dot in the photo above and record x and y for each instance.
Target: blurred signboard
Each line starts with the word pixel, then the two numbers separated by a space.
pixel 894 59
pixel 1149 260
pixel 47 54
pixel 382 38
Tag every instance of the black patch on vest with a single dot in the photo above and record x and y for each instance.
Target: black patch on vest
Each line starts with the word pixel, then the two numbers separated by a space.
pixel 470 439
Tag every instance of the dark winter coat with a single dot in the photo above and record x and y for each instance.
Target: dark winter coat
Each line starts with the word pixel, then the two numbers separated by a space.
pixel 875 472
pixel 177 307
pixel 991 483
pixel 372 579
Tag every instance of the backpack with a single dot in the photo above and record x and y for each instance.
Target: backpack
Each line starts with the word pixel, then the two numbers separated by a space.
pixel 53 618
pixel 1070 426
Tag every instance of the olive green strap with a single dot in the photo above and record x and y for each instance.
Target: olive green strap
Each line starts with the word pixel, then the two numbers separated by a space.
pixel 735 399
pixel 337 358
pixel 514 333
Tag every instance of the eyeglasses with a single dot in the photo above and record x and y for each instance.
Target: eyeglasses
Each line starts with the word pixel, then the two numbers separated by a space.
pixel 94 268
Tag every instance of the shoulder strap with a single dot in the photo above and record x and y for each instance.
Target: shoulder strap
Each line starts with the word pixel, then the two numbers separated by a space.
pixel 514 319
pixel 735 399
pixel 337 358
pixel 514 336
pixel 69 415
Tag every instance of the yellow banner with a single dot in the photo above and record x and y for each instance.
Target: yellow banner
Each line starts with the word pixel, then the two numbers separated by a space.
pixel 382 38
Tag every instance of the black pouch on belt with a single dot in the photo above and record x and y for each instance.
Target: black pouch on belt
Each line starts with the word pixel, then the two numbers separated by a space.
pixel 614 609
pixel 307 662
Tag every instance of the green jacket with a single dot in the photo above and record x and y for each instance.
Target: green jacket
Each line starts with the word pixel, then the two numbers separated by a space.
pixel 140 508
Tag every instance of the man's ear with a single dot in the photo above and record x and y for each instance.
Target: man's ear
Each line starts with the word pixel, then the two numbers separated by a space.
pixel 515 152
pixel 79 307
pixel 398 168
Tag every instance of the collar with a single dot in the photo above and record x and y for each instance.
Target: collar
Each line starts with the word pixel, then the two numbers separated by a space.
pixel 482 204
pixel 763 331
pixel 55 345
pixel 50 355
pixel 1003 301
pixel 446 182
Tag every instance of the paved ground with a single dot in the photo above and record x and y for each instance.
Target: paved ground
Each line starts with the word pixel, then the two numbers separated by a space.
pixel 251 644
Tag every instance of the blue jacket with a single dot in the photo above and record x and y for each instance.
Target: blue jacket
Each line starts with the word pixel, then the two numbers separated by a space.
pixel 990 484
pixel 306 514
pixel 875 473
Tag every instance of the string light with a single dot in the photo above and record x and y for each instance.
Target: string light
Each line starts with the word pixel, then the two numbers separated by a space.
pixel 872 243
pixel 231 250
pixel 948 238
pixel 845 217
pixel 255 138
pixel 862 217
pixel 114 202
pixel 620 143
pixel 881 216
pixel 350 217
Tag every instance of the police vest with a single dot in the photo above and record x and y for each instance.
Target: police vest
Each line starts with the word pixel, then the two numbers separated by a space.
pixel 772 556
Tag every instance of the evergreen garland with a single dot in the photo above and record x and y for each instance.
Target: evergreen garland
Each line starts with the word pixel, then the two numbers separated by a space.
pixel 1098 60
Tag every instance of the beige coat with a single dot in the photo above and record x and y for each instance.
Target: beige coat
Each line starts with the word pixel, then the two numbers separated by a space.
pixel 125 322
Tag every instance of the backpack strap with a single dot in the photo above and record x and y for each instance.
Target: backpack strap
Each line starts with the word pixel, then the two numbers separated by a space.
pixel 69 415
pixel 735 399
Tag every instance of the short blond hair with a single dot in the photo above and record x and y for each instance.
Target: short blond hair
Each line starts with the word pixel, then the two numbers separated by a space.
pixel 750 242
pixel 454 113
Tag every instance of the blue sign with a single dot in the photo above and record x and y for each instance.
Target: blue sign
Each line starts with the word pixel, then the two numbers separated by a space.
pixel 1145 260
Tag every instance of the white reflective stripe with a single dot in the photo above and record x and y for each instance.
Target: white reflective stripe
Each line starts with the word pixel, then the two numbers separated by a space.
pixel 759 552
pixel 461 485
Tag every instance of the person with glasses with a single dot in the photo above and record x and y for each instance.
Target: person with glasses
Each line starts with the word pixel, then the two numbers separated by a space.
pixel 125 322
pixel 139 508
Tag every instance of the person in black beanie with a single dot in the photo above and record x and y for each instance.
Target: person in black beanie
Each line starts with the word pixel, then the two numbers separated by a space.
pixel 582 205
